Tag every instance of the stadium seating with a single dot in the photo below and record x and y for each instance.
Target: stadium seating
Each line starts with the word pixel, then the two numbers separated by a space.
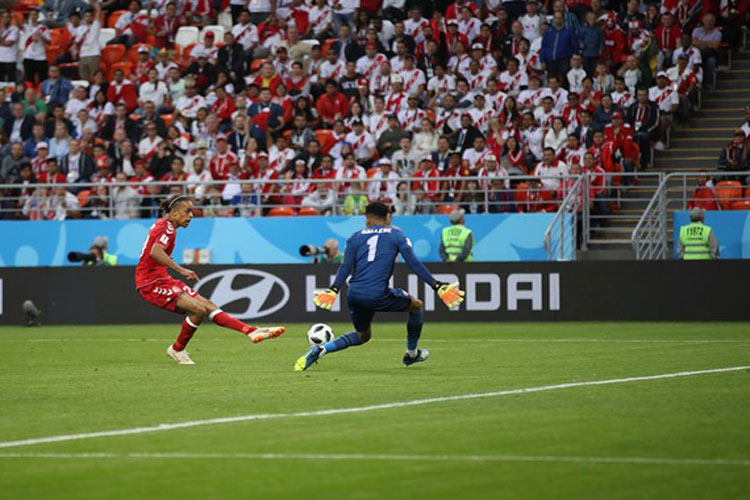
pixel 126 67
pixel 53 52
pixel 187 35
pixel 113 17
pixel 281 212
pixel 80 83
pixel 307 211
pixel 521 196
pixel 59 36
pixel 112 54
pixel 106 35
pixel 217 30
pixel 446 209
pixel 371 172
pixel 728 192
pixel 326 140
pixel 83 197
pixel 133 51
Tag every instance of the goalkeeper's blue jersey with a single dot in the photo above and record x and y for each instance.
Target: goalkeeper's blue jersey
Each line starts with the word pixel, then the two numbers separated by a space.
pixel 369 258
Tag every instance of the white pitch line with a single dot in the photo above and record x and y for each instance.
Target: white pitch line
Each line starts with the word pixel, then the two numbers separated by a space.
pixel 457 340
pixel 359 409
pixel 390 457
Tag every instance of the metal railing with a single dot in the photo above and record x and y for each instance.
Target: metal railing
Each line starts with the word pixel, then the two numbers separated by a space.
pixel 253 197
pixel 651 236
pixel 561 237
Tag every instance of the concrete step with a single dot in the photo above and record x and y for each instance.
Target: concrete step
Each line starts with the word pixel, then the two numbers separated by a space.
pixel 606 254
pixel 708 129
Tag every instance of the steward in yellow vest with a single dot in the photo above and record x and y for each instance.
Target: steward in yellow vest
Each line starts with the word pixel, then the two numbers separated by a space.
pixel 457 242
pixel 697 240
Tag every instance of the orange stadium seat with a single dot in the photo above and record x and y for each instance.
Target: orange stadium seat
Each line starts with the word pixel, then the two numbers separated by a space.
pixel 287 134
pixel 113 17
pixel 371 171
pixel 185 56
pixel 327 45
pixel 446 209
pixel 741 205
pixel 326 140
pixel 53 52
pixel 281 212
pixel 59 36
pixel 112 54
pixel 124 66
pixel 255 65
pixel 521 196
pixel 83 197
pixel 728 192
pixel 307 211
pixel 167 119
pixel 133 51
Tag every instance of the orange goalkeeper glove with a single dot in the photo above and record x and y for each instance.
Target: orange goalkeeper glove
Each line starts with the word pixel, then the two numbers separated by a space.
pixel 450 294
pixel 326 298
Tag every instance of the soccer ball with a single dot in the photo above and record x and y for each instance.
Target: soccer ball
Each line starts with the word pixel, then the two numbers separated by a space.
pixel 319 334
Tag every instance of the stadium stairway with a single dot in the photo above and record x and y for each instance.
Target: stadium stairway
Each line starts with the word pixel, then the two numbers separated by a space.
pixel 692 146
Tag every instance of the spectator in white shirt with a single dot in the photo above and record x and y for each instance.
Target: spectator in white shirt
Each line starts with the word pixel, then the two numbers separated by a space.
pixel 88 40
pixel 153 90
pixel 556 137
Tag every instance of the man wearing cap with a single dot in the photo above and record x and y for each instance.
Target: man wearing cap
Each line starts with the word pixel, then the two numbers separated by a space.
pixel 396 99
pixel 457 241
pixel 383 183
pixel 697 240
pixel 668 100
pixel 39 162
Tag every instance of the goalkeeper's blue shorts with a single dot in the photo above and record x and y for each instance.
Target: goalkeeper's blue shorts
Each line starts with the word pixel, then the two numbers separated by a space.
pixel 362 309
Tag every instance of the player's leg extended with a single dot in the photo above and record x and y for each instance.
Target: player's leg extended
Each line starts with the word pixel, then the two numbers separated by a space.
pixel 413 332
pixel 361 317
pixel 228 321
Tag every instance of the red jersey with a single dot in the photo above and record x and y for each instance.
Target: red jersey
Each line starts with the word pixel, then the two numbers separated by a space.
pixel 148 270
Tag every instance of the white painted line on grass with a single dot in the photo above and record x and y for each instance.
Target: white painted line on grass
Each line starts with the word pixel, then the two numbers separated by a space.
pixel 359 409
pixel 452 341
pixel 390 457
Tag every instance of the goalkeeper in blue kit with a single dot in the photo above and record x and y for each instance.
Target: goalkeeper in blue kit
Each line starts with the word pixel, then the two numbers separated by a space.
pixel 369 258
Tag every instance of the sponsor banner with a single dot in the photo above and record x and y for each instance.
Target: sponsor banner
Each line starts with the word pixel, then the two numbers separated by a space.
pixel 571 291
pixel 732 228
pixel 270 240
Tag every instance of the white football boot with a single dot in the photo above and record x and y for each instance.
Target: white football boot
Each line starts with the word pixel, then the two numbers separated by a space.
pixel 180 357
pixel 270 332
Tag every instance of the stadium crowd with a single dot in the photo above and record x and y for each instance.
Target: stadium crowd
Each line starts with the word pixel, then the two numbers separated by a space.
pixel 457 97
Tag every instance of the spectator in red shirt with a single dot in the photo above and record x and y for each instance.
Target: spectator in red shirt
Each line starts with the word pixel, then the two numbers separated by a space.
pixel 704 195
pixel 122 91
pixel 164 28
pixel 668 36
pixel 333 105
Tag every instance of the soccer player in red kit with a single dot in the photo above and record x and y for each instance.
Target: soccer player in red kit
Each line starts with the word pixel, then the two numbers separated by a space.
pixel 165 292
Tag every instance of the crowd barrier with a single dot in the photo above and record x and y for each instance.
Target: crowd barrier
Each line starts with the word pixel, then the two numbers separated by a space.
pixel 497 237
pixel 538 291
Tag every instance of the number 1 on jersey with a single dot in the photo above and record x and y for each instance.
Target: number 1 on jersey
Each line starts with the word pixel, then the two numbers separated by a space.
pixel 372 243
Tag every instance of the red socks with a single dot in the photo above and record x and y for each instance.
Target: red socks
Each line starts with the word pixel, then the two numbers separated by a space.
pixel 227 321
pixel 186 333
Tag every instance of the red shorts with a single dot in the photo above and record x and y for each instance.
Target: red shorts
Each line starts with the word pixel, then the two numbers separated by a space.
pixel 163 293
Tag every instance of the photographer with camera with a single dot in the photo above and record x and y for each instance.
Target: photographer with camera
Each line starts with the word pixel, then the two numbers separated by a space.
pixel 97 254
pixel 328 253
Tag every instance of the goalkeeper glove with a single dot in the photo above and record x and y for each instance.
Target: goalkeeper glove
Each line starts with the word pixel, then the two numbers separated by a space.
pixel 449 294
pixel 326 298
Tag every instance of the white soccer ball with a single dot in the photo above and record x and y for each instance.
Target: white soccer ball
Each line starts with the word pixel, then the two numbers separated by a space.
pixel 319 334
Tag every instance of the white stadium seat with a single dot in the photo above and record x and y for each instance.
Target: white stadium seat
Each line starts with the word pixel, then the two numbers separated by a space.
pixel 105 35
pixel 217 30
pixel 186 35
pixel 80 83
pixel 225 20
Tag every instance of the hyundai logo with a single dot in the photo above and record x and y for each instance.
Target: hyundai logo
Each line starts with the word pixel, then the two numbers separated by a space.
pixel 246 293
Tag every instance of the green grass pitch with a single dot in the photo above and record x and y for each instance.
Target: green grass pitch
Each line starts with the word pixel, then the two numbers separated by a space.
pixel 666 438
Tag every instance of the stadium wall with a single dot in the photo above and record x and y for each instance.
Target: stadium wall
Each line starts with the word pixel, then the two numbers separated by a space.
pixel 268 240
pixel 581 291
pixel 732 228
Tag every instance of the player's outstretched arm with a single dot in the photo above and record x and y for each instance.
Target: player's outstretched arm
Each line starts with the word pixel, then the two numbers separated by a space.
pixel 326 298
pixel 158 253
pixel 449 294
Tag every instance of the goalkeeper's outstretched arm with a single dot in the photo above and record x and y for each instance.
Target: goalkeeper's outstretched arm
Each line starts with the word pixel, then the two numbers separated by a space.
pixel 449 294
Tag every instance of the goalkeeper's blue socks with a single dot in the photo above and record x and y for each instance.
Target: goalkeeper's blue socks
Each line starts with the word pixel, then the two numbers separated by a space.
pixel 414 331
pixel 346 340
